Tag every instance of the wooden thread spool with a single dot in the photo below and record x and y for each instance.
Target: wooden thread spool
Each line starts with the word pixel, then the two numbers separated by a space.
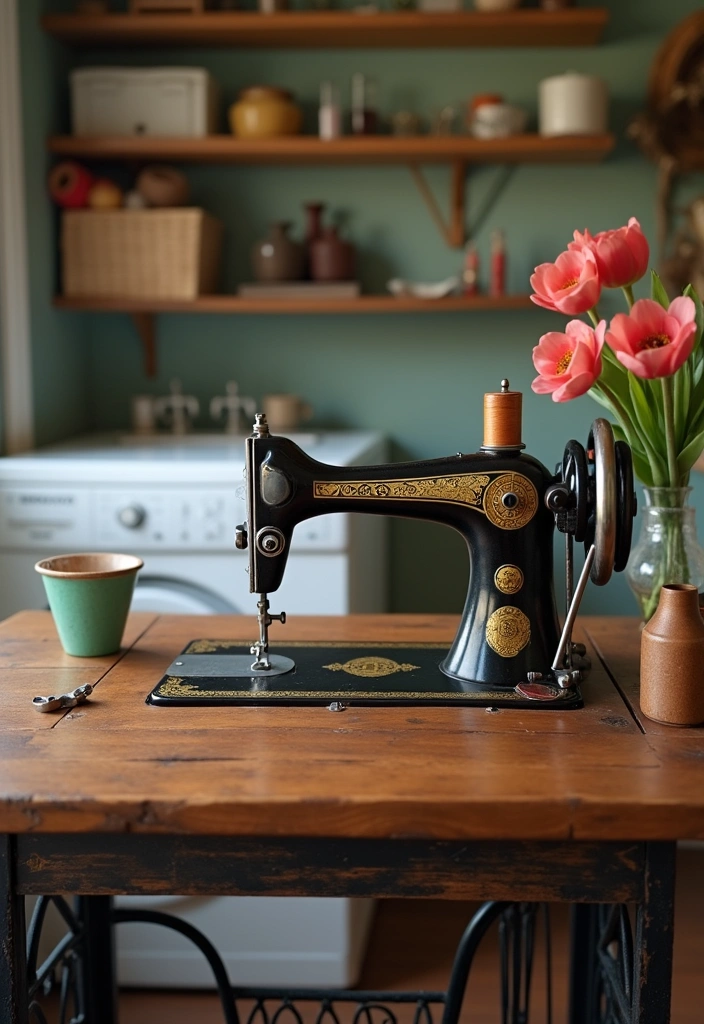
pixel 502 418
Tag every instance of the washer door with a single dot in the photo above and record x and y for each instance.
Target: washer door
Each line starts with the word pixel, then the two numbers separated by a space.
pixel 168 595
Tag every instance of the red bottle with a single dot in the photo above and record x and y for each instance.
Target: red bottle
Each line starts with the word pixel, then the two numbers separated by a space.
pixel 497 277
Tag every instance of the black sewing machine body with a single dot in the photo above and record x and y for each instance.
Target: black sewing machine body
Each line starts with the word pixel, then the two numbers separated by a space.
pixel 508 650
pixel 495 500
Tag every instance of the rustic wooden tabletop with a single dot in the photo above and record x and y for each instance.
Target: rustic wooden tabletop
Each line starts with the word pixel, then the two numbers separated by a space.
pixel 118 765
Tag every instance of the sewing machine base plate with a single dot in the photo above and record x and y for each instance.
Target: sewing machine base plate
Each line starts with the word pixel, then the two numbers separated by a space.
pixel 352 673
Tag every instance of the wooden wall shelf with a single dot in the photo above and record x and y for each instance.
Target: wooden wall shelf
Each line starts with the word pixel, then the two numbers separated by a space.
pixel 364 304
pixel 309 149
pixel 580 26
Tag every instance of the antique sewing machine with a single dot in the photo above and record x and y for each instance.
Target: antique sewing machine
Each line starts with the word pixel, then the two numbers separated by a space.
pixel 509 648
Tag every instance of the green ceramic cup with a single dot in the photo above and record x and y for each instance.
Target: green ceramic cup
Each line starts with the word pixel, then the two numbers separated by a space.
pixel 89 596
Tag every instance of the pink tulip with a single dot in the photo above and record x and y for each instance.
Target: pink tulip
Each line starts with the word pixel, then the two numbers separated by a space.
pixel 652 341
pixel 569 285
pixel 621 255
pixel 569 363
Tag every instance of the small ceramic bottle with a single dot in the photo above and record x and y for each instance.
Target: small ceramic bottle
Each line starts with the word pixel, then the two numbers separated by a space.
pixel 278 257
pixel 672 659
pixel 331 258
pixel 329 112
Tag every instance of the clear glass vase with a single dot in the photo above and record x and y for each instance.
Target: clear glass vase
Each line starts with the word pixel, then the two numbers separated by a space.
pixel 667 550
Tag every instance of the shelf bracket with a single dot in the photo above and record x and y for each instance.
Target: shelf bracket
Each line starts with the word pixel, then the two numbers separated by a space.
pixel 145 325
pixel 454 232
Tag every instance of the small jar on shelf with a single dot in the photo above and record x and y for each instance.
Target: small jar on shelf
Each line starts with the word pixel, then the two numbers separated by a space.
pixel 365 118
pixel 329 112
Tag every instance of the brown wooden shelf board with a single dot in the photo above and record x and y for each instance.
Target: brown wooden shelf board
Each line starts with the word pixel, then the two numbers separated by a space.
pixel 364 304
pixel 579 26
pixel 309 149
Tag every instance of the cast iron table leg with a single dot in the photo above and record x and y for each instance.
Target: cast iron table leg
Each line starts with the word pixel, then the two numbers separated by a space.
pixel 13 958
pixel 98 960
pixel 600 953
pixel 652 982
pixel 583 963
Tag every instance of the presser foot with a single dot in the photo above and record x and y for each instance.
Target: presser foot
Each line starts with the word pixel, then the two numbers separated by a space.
pixel 557 684
pixel 264 662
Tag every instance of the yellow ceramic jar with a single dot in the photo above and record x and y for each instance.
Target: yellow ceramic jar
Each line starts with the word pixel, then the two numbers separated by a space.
pixel 263 111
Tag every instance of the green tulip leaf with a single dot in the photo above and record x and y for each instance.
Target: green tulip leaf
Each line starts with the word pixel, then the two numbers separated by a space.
pixel 689 455
pixel 657 290
pixel 683 392
pixel 640 406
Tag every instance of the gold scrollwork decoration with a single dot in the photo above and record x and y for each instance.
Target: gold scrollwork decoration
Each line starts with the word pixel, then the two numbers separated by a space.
pixel 207 646
pixel 371 667
pixel 460 488
pixel 474 490
pixel 508 579
pixel 507 631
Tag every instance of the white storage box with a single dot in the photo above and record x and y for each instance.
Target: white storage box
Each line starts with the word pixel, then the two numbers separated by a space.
pixel 143 101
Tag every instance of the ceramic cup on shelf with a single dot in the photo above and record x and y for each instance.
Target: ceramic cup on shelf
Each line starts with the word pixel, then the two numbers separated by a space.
pixel 143 414
pixel 497 120
pixel 278 257
pixel 573 104
pixel 265 111
pixel 89 596
pixel 285 412
pixel 162 186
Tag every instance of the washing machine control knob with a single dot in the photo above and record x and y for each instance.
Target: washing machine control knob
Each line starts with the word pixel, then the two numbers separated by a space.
pixel 132 516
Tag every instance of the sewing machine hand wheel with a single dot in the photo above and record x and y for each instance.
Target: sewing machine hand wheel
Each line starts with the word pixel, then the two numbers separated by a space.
pixel 594 500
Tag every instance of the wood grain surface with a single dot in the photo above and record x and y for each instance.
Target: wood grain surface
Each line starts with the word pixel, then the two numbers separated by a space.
pixel 200 866
pixel 529 148
pixel 118 765
pixel 291 29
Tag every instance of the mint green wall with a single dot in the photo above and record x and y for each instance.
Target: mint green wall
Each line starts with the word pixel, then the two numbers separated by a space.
pixel 419 379
pixel 60 344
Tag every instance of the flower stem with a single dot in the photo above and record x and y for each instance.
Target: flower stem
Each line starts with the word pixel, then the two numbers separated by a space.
pixel 628 292
pixel 594 315
pixel 668 406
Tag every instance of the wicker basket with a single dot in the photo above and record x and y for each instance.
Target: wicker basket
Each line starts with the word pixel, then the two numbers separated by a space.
pixel 140 254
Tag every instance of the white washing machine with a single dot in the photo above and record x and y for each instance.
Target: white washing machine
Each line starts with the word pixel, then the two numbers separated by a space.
pixel 175 503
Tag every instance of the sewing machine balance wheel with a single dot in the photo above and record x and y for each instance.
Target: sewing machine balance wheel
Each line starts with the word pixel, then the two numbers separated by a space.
pixel 612 501
pixel 594 500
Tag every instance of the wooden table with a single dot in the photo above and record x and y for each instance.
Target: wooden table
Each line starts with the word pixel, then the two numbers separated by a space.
pixel 116 796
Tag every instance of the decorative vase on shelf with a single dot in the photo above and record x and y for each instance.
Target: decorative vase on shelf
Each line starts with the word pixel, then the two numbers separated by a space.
pixel 672 659
pixel 331 258
pixel 667 550
pixel 278 257
pixel 264 112
pixel 314 228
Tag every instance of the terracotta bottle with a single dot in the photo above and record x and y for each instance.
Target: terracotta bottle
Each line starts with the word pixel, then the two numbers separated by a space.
pixel 672 659
pixel 331 259
pixel 314 229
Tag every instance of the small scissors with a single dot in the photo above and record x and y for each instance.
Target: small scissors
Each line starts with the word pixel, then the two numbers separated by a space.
pixel 65 700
